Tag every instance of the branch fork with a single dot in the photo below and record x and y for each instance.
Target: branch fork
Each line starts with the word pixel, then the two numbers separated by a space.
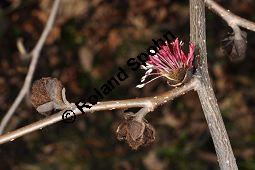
pixel 199 82
pixel 147 104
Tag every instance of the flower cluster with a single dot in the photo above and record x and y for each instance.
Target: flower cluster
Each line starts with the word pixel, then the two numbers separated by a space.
pixel 170 62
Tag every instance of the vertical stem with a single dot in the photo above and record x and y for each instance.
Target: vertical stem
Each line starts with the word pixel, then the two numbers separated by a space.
pixel 205 92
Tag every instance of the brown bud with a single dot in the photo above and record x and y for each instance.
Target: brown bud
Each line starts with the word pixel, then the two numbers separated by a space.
pixel 235 46
pixel 46 94
pixel 136 133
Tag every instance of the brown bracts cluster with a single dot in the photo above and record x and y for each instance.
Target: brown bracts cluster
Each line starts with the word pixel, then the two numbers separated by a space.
pixel 136 133
pixel 47 95
pixel 235 46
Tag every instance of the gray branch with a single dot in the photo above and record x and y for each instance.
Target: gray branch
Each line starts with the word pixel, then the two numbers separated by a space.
pixel 205 91
pixel 146 104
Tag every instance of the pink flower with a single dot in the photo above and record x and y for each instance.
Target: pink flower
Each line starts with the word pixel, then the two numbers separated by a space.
pixel 170 62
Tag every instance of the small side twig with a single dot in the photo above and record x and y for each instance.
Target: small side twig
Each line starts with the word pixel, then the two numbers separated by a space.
pixel 146 104
pixel 23 52
pixel 35 55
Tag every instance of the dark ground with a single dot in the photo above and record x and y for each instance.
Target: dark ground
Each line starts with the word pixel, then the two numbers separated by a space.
pixel 88 42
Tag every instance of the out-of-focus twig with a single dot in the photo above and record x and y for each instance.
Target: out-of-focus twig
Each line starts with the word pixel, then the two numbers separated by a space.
pixel 21 48
pixel 146 104
pixel 233 20
pixel 35 55
pixel 237 40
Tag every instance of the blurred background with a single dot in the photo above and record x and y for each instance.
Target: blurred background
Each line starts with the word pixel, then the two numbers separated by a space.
pixel 89 40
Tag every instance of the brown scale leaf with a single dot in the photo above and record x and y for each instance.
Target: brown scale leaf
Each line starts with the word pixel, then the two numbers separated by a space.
pixel 46 94
pixel 39 94
pixel 235 48
pixel 136 133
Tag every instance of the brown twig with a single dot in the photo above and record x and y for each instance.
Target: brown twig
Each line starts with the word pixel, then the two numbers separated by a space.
pixel 205 92
pixel 146 104
pixel 35 55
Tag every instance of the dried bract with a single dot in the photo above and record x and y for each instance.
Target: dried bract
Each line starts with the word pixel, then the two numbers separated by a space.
pixel 234 46
pixel 136 133
pixel 47 95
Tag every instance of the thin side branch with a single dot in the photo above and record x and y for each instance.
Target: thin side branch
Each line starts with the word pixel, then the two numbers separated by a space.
pixel 146 104
pixel 35 55
pixel 205 91
pixel 233 20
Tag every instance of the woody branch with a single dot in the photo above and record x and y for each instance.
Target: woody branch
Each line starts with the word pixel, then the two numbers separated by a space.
pixel 146 104
pixel 205 91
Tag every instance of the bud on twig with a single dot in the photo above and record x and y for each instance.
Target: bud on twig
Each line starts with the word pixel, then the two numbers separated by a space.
pixel 48 94
pixel 136 133
pixel 235 46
